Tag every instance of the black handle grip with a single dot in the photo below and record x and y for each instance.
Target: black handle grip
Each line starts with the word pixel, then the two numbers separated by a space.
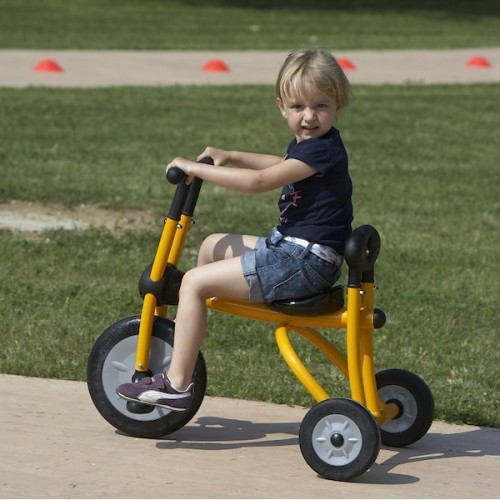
pixel 195 190
pixel 185 197
pixel 175 175
pixel 207 160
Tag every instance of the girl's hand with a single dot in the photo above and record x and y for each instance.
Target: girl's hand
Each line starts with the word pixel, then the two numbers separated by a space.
pixel 184 165
pixel 219 156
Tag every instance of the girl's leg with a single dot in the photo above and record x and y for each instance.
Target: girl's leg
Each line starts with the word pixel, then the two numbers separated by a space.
pixel 219 274
pixel 222 246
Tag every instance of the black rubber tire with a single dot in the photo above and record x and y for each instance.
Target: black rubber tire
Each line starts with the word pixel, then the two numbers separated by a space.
pixel 112 362
pixel 339 439
pixel 416 403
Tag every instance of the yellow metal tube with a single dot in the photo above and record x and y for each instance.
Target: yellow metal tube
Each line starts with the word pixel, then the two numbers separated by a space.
pixel 368 297
pixel 297 367
pixel 149 309
pixel 354 344
pixel 325 346
pixel 368 367
pixel 164 247
pixel 145 332
pixel 369 382
pixel 174 254
pixel 387 412
pixel 161 311
pixel 262 312
pixel 179 239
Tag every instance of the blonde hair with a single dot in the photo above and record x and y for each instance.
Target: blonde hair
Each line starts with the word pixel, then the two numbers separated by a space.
pixel 317 67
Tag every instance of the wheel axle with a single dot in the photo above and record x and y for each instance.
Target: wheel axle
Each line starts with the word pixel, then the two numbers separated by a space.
pixel 337 440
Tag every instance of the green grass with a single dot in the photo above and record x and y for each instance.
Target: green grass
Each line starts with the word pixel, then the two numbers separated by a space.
pixel 247 25
pixel 424 166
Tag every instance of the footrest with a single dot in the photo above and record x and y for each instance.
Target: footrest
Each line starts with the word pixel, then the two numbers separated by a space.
pixel 314 305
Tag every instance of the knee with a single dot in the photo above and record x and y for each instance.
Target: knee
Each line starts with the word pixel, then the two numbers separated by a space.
pixel 190 286
pixel 187 282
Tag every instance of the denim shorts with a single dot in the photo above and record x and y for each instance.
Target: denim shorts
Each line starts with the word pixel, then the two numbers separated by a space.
pixel 285 270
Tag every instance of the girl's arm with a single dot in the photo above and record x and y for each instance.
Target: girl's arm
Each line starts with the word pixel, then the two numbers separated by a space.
pixel 247 180
pixel 254 161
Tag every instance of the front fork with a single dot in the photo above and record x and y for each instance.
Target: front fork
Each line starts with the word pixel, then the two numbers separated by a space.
pixel 169 250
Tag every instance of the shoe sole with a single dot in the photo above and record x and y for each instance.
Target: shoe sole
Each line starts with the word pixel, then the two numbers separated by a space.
pixel 166 407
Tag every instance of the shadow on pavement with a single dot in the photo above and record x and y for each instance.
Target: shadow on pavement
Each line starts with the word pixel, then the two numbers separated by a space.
pixel 215 433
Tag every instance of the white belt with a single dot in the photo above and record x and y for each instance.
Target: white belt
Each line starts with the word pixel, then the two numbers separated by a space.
pixel 321 251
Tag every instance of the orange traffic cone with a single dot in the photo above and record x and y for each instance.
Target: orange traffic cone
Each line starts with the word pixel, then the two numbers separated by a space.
pixel 48 65
pixel 346 64
pixel 478 62
pixel 215 65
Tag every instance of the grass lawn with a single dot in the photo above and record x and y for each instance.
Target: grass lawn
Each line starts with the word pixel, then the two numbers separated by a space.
pixel 423 161
pixel 247 25
pixel 424 166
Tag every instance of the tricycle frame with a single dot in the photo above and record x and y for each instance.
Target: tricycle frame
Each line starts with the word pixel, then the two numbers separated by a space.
pixel 339 438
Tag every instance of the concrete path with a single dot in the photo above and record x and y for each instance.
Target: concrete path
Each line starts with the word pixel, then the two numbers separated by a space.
pixel 54 444
pixel 111 68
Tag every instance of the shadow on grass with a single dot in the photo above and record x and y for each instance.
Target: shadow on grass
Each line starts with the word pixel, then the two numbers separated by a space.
pixel 458 8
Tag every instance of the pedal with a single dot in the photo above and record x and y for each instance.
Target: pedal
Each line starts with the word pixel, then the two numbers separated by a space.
pixel 139 408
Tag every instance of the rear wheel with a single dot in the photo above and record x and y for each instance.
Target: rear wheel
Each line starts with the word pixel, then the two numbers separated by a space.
pixel 416 407
pixel 112 363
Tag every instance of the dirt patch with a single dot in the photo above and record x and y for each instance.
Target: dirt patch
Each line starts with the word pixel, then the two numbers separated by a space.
pixel 33 218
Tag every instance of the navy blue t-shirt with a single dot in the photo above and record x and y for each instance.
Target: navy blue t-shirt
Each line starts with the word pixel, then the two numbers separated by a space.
pixel 319 208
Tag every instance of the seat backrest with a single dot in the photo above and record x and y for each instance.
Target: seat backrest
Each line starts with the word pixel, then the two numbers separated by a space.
pixel 361 251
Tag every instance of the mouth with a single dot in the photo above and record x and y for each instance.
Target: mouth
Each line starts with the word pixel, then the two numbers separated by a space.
pixel 309 128
pixel 309 131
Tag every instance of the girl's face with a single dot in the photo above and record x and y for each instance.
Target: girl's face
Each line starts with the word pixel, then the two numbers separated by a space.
pixel 310 114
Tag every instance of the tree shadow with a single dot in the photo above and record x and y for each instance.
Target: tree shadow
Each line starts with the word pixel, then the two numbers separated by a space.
pixel 457 8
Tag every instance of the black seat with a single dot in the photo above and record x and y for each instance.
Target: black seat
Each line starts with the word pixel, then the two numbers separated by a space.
pixel 314 305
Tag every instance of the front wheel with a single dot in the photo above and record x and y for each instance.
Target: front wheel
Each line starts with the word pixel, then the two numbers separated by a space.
pixel 339 439
pixel 416 406
pixel 112 363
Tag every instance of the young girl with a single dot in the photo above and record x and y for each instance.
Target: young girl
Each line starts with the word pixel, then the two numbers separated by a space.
pixel 302 255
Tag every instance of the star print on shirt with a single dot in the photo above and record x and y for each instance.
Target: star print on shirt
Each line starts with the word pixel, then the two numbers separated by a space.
pixel 292 197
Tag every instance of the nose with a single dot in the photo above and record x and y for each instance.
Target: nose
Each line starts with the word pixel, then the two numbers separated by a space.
pixel 309 113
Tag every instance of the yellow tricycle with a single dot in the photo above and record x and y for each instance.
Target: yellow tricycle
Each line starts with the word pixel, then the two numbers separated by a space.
pixel 339 438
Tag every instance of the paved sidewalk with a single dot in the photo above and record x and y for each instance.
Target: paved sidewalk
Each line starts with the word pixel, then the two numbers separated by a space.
pixel 111 68
pixel 56 445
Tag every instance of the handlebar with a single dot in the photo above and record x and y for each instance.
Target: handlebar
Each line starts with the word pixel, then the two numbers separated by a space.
pixel 185 196
pixel 175 175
